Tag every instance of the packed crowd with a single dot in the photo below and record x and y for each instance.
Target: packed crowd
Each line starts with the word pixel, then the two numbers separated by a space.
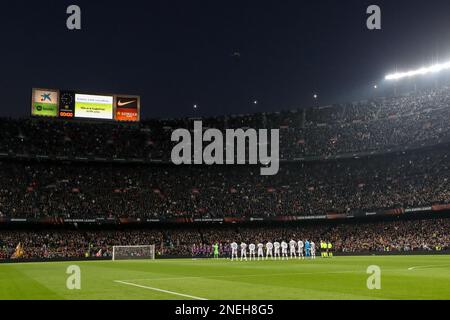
pixel 375 125
pixel 402 235
pixel 98 189
pixel 83 190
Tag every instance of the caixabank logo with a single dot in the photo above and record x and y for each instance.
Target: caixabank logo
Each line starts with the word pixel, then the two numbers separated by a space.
pixel 44 103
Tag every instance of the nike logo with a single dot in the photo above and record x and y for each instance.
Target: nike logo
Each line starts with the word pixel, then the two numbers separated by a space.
pixel 121 104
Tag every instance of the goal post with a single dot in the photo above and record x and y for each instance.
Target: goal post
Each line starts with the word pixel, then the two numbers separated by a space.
pixel 133 252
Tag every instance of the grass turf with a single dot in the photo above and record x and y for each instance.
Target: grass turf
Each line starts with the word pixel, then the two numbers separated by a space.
pixel 402 277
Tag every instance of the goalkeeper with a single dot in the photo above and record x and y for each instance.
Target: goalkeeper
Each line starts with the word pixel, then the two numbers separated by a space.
pixel 216 250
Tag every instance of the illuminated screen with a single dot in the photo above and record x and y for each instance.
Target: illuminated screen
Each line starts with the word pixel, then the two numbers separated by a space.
pixel 93 106
pixel 66 104
pixel 45 103
pixel 127 108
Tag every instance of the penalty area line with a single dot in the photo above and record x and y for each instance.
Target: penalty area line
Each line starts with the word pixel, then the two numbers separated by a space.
pixel 159 290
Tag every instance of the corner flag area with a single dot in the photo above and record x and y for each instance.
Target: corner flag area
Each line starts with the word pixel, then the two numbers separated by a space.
pixel 402 277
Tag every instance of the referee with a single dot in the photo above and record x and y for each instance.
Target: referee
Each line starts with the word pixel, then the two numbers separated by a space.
pixel 329 248
pixel 323 248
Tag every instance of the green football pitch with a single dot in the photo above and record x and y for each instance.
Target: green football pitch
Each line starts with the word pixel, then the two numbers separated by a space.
pixel 402 277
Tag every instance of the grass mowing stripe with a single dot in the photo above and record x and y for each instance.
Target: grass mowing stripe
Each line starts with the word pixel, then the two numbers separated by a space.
pixel 245 275
pixel 337 278
pixel 16 284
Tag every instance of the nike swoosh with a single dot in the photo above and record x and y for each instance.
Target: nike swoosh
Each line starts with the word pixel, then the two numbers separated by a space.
pixel 121 104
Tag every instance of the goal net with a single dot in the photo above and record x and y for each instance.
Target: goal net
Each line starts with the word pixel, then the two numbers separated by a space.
pixel 133 252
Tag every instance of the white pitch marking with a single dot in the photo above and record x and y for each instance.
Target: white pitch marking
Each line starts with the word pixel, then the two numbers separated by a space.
pixel 160 290
pixel 420 267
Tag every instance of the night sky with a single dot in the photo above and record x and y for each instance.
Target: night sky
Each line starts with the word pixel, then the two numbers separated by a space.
pixel 179 53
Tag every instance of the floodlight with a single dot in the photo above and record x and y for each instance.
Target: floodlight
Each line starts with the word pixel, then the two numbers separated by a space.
pixel 422 71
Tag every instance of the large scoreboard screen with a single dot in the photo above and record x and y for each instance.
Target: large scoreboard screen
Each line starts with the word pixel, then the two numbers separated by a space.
pixel 69 104
pixel 93 106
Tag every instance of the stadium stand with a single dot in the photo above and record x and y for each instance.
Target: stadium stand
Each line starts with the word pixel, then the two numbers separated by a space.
pixel 96 190
pixel 374 126
pixel 384 236
pixel 352 159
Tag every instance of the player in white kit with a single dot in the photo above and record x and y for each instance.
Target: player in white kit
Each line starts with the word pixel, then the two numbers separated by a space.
pixel 243 251
pixel 276 245
pixel 313 250
pixel 252 248
pixel 269 250
pixel 284 250
pixel 234 250
pixel 260 251
pixel 300 246
pixel 292 245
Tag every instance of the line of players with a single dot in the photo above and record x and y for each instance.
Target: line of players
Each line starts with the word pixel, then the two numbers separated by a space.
pixel 275 250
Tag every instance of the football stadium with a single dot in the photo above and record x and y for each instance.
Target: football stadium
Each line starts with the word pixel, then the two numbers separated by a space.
pixel 354 190
pixel 109 193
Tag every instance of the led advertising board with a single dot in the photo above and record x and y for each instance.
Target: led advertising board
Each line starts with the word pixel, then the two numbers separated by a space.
pixel 70 104
pixel 45 103
pixel 93 106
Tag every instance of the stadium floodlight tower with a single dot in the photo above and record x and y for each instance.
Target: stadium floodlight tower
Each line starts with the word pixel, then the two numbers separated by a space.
pixel 133 252
pixel 422 71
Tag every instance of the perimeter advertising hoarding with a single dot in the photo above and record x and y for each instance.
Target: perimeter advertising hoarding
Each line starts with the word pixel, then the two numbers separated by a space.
pixel 93 106
pixel 45 103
